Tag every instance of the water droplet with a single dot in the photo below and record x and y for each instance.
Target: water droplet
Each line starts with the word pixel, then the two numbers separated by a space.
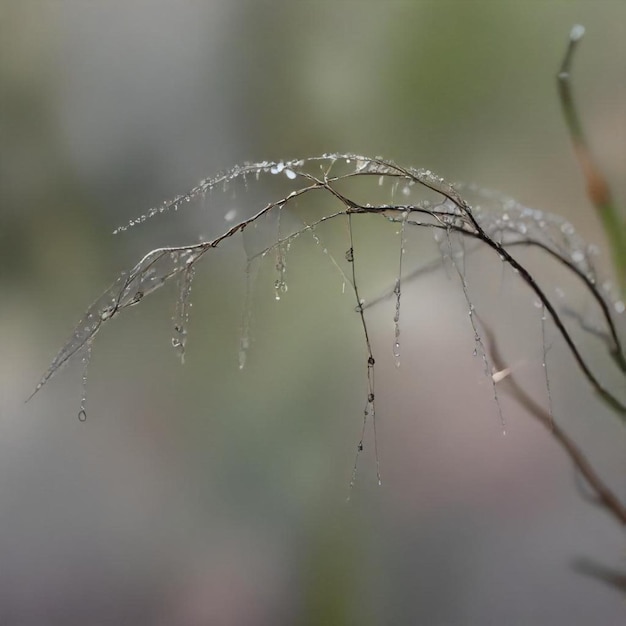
pixel 281 287
pixel 361 164
pixel 82 413
pixel 290 174
pixel 577 32
pixel 181 314
pixel 246 318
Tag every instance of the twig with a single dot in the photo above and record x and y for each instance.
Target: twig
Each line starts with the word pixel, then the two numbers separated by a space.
pixel 605 496
pixel 597 187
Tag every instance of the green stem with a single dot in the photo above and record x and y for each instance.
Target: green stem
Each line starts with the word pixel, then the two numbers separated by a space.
pixel 597 187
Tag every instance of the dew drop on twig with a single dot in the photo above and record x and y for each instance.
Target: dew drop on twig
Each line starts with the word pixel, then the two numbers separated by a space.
pixel 82 412
pixel 397 290
pixel 479 346
pixel 246 318
pixel 181 315
pixel 280 285
pixel 544 364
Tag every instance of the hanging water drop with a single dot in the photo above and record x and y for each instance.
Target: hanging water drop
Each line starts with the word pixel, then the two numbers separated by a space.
pixel 396 319
pixel 544 355
pixel 181 314
pixel 479 346
pixel 280 286
pixel 82 412
pixel 246 318
pixel 397 290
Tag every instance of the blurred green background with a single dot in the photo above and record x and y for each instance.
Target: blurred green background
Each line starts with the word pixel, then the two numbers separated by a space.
pixel 205 495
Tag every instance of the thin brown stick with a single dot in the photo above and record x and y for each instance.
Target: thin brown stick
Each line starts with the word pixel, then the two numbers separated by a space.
pixel 605 497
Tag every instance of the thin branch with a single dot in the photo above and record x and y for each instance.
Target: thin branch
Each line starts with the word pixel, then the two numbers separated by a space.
pixel 605 496
pixel 617 351
pixel 371 397
pixel 604 393
pixel 453 214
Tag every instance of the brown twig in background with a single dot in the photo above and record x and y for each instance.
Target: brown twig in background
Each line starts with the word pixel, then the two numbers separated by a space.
pixel 610 502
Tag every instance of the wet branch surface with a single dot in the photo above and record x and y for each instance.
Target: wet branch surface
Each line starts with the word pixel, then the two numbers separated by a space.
pixel 499 230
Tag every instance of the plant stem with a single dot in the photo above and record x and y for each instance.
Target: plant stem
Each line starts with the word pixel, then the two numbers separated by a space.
pixel 597 187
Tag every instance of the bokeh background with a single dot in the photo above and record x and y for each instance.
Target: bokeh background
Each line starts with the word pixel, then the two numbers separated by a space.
pixel 199 494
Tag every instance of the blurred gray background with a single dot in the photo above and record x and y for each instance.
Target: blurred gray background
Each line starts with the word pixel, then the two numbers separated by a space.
pixel 204 495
